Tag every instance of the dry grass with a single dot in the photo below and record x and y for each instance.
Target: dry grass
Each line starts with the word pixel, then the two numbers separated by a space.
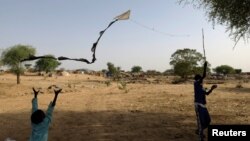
pixel 90 110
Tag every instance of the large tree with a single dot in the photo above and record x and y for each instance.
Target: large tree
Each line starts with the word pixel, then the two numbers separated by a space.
pixel 186 62
pixel 12 57
pixel 47 64
pixel 235 14
pixel 183 69
pixel 186 55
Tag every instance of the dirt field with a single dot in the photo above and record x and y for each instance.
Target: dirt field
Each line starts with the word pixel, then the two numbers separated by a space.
pixel 89 110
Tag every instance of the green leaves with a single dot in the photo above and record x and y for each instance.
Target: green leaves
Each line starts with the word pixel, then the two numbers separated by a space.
pixel 235 14
pixel 13 55
pixel 114 71
pixel 186 62
pixel 47 64
pixel 224 69
pixel 186 55
pixel 136 69
pixel 183 69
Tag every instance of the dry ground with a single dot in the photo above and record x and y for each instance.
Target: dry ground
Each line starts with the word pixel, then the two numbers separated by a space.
pixel 89 110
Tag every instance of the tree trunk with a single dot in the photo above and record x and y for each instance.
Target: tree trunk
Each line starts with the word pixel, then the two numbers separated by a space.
pixel 18 78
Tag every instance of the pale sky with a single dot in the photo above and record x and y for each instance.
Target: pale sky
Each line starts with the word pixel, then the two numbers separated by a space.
pixel 70 27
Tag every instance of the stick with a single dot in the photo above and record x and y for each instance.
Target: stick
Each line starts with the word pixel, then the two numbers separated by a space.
pixel 204 52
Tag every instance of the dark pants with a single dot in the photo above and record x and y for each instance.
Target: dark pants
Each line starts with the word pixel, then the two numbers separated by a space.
pixel 203 119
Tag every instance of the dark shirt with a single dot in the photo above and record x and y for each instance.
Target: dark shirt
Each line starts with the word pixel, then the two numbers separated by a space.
pixel 199 93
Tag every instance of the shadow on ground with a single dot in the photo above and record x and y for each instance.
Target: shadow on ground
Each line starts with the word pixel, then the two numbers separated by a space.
pixel 104 126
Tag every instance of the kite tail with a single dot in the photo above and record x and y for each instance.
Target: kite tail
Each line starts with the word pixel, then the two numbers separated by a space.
pixel 32 57
pixel 93 49
pixel 61 58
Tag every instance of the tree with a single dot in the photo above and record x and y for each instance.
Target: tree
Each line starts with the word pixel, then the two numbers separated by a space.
pixel 111 68
pixel 186 62
pixel 183 69
pixel 200 69
pixel 12 57
pixel 153 72
pixel 232 13
pixel 238 71
pixel 47 64
pixel 1 63
pixel 224 69
pixel 104 70
pixel 168 72
pixel 113 71
pixel 136 69
pixel 27 66
pixel 186 55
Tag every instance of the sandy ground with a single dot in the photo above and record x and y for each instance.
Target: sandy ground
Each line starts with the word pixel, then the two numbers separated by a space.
pixel 89 110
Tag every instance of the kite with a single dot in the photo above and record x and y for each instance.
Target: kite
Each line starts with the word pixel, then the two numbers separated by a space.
pixel 123 16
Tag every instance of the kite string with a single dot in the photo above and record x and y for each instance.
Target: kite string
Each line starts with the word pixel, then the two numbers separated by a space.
pixel 157 31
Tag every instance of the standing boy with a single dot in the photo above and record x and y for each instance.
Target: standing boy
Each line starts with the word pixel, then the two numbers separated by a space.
pixel 202 115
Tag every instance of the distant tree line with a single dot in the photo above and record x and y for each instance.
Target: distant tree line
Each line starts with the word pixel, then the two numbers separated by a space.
pixel 188 62
pixel 185 62
pixel 13 55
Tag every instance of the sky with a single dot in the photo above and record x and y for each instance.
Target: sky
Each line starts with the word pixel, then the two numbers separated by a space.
pixel 70 27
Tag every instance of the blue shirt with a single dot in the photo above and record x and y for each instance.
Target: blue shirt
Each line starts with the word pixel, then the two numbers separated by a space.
pixel 199 93
pixel 40 131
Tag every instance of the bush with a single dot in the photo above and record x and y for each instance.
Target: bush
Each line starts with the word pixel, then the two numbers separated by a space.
pixel 239 85
pixel 178 80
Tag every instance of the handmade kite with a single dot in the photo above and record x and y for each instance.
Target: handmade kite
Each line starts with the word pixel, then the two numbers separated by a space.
pixel 123 16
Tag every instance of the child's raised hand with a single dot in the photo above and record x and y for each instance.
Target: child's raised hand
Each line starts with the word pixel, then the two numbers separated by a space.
pixel 57 91
pixel 35 92
pixel 214 86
